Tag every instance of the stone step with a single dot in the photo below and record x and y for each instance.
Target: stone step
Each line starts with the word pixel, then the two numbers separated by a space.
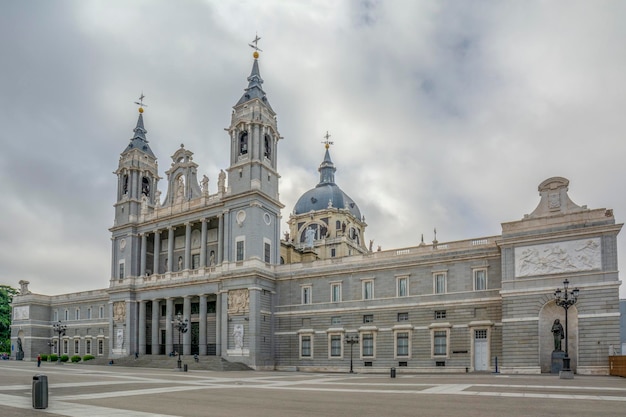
pixel 206 363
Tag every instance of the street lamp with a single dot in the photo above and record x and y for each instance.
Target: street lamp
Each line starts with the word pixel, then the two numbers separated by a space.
pixel 351 340
pixel 182 326
pixel 60 329
pixel 566 299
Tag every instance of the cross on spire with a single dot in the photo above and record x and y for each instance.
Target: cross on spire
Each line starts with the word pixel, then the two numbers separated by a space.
pixel 140 103
pixel 327 142
pixel 256 43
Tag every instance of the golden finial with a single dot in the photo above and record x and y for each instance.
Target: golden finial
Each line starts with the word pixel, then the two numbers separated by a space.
pixel 327 142
pixel 255 46
pixel 140 103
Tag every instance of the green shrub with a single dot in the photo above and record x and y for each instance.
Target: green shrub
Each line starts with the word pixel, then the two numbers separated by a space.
pixel 44 357
pixel 65 358
pixel 75 358
pixel 54 357
pixel 88 358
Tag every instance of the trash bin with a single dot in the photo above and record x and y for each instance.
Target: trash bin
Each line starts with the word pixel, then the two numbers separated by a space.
pixel 40 391
pixel 393 372
pixel 185 368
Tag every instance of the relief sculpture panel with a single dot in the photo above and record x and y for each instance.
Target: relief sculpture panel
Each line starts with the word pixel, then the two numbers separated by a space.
pixel 558 258
pixel 238 301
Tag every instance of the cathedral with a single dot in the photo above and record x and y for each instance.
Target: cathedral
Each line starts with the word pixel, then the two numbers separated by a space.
pixel 318 297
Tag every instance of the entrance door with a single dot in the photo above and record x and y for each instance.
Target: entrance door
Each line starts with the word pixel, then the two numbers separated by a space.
pixel 195 338
pixel 481 350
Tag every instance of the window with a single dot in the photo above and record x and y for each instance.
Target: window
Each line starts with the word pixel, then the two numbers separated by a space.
pixel 402 288
pixel 305 346
pixel 267 147
pixel 335 320
pixel 440 314
pixel 440 343
pixel 267 252
pixel 368 318
pixel 101 312
pixel 67 315
pixel 480 279
pixel 65 347
pixel 306 294
pixel 77 314
pixel 368 290
pixel 367 344
pixel 335 292
pixel 335 345
pixel 240 250
pixel 195 261
pixel 440 282
pixel 333 252
pixel 403 316
pixel 88 347
pixel 89 313
pixel 121 275
pixel 76 347
pixel 243 143
pixel 402 344
pixel 100 347
pixel 55 348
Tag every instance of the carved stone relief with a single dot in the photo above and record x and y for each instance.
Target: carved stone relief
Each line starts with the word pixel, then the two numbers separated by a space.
pixel 238 301
pixel 557 258
pixel 119 311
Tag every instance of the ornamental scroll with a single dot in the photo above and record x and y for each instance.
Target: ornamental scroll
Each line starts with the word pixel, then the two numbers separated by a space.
pixel 556 258
pixel 238 301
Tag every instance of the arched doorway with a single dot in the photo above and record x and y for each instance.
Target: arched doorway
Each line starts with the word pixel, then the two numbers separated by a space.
pixel 550 312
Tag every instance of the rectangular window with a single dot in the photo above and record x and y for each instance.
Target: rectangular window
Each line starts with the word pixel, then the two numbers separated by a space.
pixel 88 347
pixel 305 346
pixel 335 345
pixel 333 252
pixel 335 292
pixel 480 279
pixel 65 348
pixel 267 252
pixel 368 290
pixel 440 314
pixel 76 347
pixel 440 343
pixel 100 347
pixel 195 261
pixel 306 295
pixel 101 312
pixel 89 313
pixel 335 320
pixel 402 344
pixel 77 314
pixel 403 316
pixel 368 318
pixel 440 282
pixel 121 276
pixel 240 250
pixel 368 344
pixel 67 315
pixel 195 308
pixel 403 287
pixel 56 347
pixel 211 306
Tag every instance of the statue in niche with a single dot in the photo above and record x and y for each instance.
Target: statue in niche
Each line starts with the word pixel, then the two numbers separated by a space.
pixel 20 350
pixel 221 182
pixel 212 258
pixel 558 333
pixel 238 336
pixel 309 237
pixel 119 311
pixel 180 189
pixel 119 341
pixel 205 185
pixel 180 263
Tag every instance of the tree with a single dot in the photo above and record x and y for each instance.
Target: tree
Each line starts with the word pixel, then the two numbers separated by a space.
pixel 6 296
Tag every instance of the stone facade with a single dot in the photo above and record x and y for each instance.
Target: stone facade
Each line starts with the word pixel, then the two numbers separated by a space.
pixel 216 260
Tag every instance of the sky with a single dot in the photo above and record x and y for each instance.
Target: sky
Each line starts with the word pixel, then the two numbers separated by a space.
pixel 443 114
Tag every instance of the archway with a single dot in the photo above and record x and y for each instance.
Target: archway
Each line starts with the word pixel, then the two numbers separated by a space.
pixel 550 312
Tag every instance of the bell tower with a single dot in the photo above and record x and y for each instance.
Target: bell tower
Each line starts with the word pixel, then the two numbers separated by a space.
pixel 137 178
pixel 252 197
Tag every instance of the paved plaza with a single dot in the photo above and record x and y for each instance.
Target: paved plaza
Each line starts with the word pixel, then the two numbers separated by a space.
pixel 94 391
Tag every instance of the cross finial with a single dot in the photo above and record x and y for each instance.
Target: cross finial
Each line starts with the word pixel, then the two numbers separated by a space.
pixel 140 103
pixel 256 45
pixel 327 142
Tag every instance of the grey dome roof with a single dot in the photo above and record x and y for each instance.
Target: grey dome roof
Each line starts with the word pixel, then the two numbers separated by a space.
pixel 317 198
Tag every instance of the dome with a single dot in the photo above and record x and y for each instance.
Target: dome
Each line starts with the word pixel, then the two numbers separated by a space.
pixel 326 193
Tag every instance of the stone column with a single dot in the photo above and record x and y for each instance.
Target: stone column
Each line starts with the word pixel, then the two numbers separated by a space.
pixel 170 249
pixel 203 244
pixel 157 250
pixel 142 327
pixel 113 260
pixel 221 324
pixel 156 313
pixel 202 325
pixel 223 244
pixel 111 331
pixel 129 343
pixel 144 254
pixel 169 341
pixel 253 324
pixel 188 245
pixel 187 316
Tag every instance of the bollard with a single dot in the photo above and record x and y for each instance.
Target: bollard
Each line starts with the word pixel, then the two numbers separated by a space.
pixel 40 391
pixel 393 372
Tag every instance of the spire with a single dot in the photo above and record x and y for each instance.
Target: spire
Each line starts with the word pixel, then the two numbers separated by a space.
pixel 139 141
pixel 255 82
pixel 327 168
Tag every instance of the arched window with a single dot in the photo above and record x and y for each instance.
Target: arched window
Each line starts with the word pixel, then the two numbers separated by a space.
pixel 145 186
pixel 243 143
pixel 267 146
